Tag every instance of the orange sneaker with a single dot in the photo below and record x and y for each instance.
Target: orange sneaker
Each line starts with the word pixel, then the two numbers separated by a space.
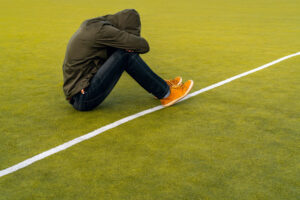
pixel 175 81
pixel 177 93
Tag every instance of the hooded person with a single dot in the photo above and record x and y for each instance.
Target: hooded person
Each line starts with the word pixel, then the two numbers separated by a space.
pixel 91 68
pixel 88 48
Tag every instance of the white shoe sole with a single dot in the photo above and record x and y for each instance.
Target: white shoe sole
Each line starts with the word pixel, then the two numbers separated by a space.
pixel 174 101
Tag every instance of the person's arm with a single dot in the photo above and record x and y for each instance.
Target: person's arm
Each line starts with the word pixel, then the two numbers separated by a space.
pixel 113 37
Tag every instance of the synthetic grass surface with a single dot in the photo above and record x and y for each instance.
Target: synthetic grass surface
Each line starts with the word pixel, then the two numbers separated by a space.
pixel 238 141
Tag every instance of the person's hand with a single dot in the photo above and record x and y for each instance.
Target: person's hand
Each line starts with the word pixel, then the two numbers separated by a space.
pixel 131 51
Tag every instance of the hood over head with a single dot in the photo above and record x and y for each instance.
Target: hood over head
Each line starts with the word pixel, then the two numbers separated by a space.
pixel 127 20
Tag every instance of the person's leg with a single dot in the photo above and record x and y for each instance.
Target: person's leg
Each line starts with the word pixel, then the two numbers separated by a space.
pixel 102 82
pixel 150 81
pixel 108 75
pixel 168 95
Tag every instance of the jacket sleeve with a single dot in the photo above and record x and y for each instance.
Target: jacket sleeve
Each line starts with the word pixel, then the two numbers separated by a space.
pixel 113 37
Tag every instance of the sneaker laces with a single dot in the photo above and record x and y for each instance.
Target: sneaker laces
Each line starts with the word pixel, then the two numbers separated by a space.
pixel 173 85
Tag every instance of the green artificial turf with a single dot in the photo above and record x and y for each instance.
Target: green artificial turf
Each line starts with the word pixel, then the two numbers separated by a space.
pixel 237 141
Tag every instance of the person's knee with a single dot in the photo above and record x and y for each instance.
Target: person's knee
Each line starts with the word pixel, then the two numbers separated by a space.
pixel 133 58
pixel 133 55
pixel 123 51
pixel 119 53
pixel 129 55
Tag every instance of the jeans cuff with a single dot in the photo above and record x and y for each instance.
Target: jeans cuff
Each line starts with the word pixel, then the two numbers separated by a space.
pixel 166 94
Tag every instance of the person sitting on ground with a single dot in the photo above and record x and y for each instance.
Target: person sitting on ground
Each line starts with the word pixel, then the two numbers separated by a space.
pixel 101 50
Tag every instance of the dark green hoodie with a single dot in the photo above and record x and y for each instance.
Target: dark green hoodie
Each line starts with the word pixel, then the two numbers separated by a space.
pixel 88 47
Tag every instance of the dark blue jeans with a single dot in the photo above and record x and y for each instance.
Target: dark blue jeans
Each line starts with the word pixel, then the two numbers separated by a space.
pixel 110 72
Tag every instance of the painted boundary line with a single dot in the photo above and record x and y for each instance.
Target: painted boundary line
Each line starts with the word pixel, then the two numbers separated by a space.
pixel 94 133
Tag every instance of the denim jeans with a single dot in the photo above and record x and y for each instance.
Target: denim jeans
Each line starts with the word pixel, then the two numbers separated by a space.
pixel 110 72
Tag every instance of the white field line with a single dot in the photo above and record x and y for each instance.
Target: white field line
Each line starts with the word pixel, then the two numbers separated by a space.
pixel 94 133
